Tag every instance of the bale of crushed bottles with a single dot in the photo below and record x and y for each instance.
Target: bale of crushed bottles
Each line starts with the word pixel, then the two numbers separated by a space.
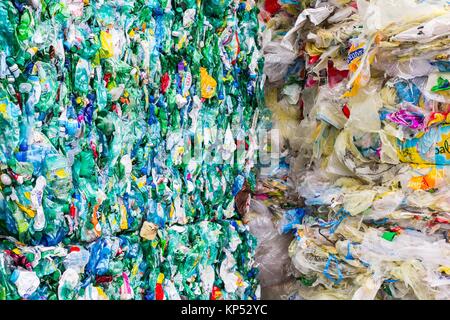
pixel 205 260
pixel 126 133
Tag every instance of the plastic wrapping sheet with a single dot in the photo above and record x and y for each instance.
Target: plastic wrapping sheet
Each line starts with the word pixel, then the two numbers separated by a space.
pixel 275 191
pixel 272 252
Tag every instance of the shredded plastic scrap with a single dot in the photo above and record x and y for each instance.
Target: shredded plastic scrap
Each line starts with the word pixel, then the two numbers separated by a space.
pixel 371 88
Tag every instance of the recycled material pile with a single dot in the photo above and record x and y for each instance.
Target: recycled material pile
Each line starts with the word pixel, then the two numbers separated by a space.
pixel 126 133
pixel 364 85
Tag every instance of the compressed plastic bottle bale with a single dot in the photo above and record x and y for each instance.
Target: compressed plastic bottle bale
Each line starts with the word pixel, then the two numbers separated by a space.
pixel 373 172
pixel 117 115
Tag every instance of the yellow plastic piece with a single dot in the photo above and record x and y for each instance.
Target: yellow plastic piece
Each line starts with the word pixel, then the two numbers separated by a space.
pixel 438 117
pixel 61 173
pixel 123 218
pixel 172 210
pixel 312 50
pixel 160 278
pixel 106 41
pixel 102 293
pixel 208 84
pixel 445 269
pixel 30 213
pixel 135 270
pixel 3 110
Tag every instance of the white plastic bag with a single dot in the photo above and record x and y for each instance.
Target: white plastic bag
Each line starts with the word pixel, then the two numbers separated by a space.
pixel 379 14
